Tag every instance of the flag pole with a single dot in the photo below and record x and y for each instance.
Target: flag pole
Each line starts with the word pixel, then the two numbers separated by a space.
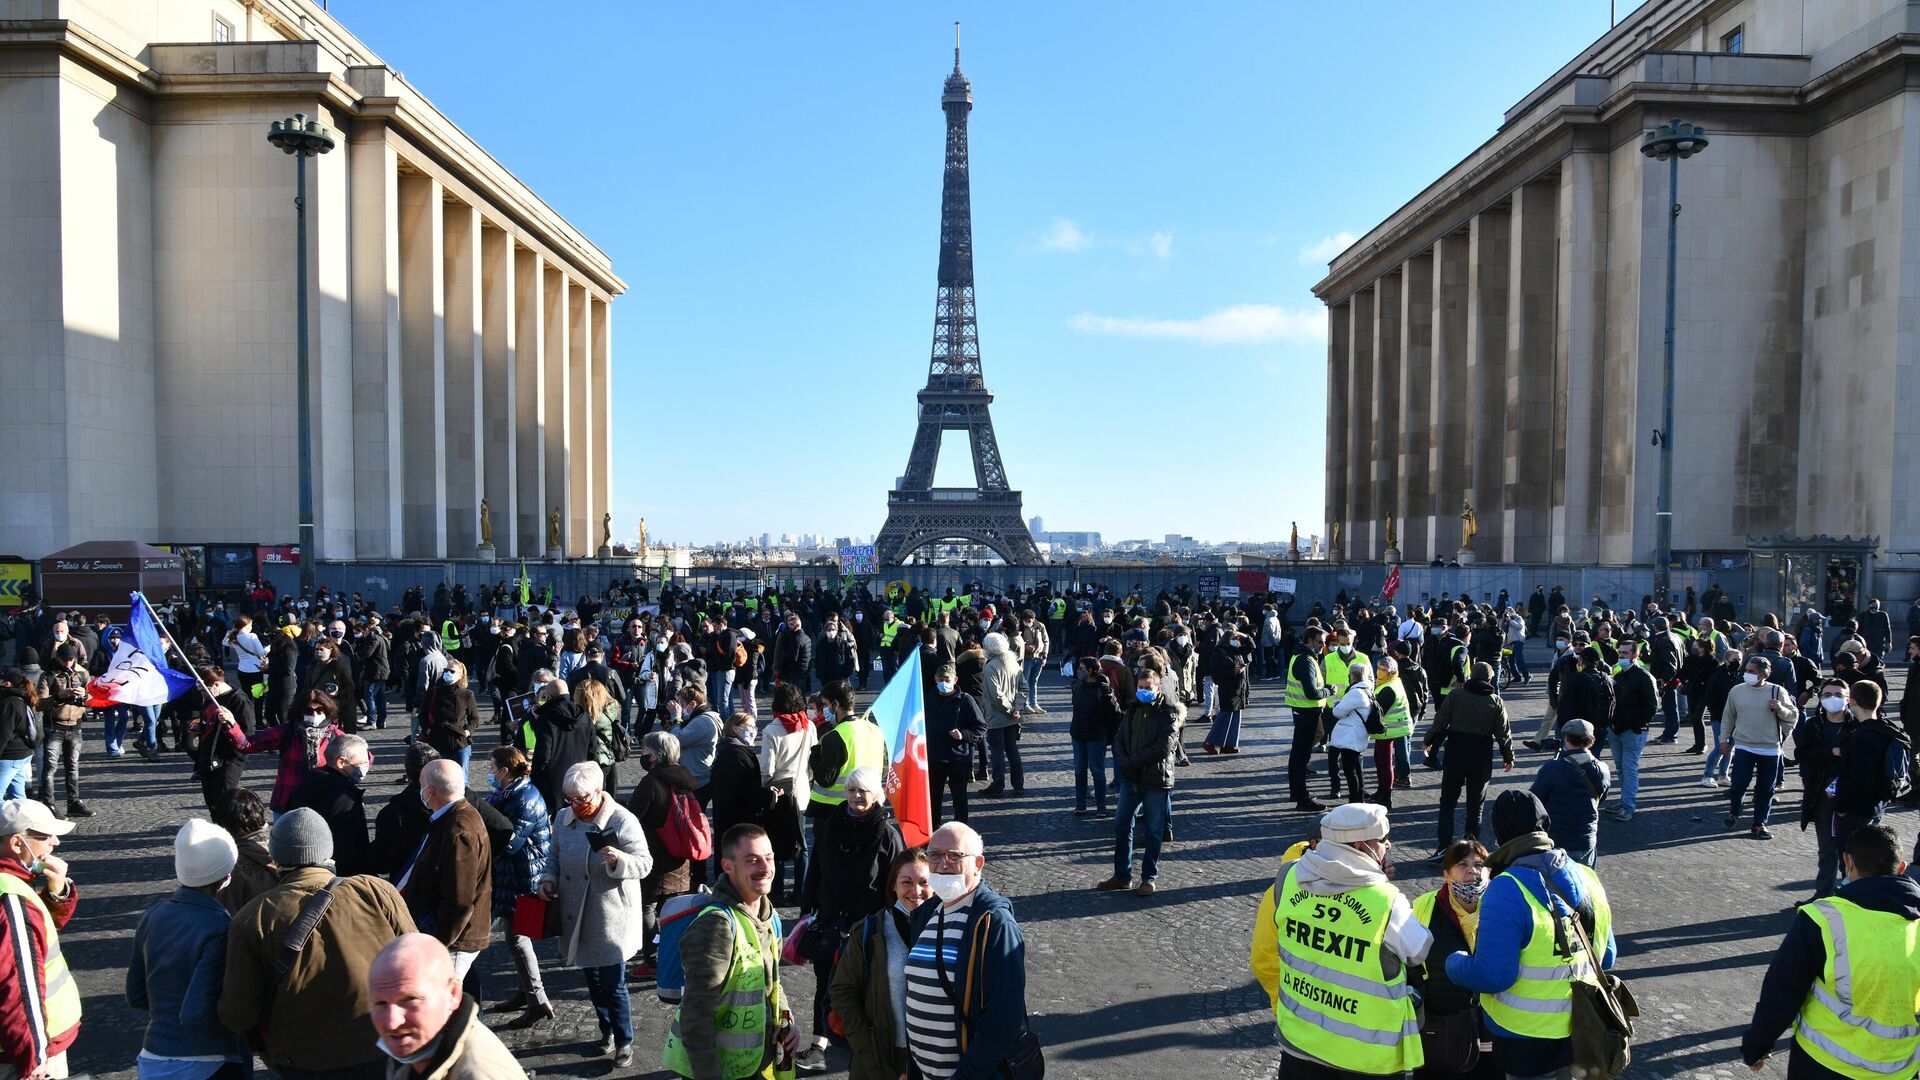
pixel 168 634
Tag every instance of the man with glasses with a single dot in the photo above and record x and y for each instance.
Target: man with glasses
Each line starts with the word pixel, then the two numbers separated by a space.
pixel 967 971
pixel 625 659
pixel 39 1003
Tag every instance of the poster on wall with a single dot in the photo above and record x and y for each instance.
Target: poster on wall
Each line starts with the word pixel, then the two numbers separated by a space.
pixel 16 582
pixel 228 567
pixel 1209 586
pixel 194 557
pixel 277 555
pixel 1285 586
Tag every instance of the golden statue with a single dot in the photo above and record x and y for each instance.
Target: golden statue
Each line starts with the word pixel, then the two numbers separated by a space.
pixel 1393 542
pixel 643 536
pixel 486 521
pixel 606 530
pixel 1469 526
pixel 553 528
pixel 1333 541
pixel 1293 542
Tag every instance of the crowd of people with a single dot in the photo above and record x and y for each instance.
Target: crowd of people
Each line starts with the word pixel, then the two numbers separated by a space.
pixel 663 776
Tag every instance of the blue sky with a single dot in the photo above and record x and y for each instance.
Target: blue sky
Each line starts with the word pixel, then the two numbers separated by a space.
pixel 1155 192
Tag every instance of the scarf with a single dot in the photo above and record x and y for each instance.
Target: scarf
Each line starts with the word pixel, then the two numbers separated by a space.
pixel 795 722
pixel 1468 921
pixel 1338 867
pixel 1529 843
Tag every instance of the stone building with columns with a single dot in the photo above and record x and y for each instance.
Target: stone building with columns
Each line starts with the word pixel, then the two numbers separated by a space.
pixel 461 337
pixel 1498 340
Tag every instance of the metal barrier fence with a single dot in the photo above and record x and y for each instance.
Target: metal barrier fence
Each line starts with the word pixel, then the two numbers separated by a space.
pixel 384 582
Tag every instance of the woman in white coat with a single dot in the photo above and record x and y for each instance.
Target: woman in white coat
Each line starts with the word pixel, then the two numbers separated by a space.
pixel 599 857
pixel 1350 737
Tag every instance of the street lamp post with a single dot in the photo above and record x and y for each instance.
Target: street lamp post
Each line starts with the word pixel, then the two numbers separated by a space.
pixel 1669 142
pixel 303 138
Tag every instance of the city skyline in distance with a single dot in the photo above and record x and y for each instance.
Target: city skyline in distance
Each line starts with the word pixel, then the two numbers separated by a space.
pixel 1153 197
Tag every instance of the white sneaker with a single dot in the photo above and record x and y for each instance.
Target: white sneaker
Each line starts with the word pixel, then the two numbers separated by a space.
pixel 1710 782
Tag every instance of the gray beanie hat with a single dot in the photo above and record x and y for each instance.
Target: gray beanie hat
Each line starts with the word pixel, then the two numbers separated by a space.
pixel 301 838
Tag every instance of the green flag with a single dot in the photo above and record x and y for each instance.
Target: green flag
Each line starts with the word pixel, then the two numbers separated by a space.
pixel 664 576
pixel 526 586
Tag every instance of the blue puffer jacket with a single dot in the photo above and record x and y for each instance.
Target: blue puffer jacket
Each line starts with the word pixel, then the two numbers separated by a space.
pixel 1571 787
pixel 517 871
pixel 1506 925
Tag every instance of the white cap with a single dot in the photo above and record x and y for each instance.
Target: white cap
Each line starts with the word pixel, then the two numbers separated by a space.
pixel 203 853
pixel 1353 823
pixel 28 815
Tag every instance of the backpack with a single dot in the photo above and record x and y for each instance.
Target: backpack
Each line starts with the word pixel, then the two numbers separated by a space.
pixel 676 914
pixel 1603 1010
pixel 685 834
pixel 621 747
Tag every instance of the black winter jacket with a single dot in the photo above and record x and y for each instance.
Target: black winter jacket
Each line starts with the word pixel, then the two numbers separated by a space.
pixel 16 723
pixel 1635 700
pixel 1873 762
pixel 847 876
pixel 946 712
pixel 1096 712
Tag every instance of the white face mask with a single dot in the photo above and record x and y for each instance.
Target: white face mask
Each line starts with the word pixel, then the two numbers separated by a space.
pixel 1752 678
pixel 948 887
pixel 1833 703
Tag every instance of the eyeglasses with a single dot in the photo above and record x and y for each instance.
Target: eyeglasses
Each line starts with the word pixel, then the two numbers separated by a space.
pixel 941 858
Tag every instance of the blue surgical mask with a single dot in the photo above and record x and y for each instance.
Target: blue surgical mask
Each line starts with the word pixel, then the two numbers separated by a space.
pixel 493 781
pixel 449 677
pixel 1146 696
pixel 943 687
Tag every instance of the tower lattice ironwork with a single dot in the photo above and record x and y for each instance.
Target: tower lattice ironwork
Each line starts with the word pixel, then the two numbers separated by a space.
pixel 956 397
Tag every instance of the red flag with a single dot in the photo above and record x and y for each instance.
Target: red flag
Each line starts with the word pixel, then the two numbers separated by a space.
pixel 1393 584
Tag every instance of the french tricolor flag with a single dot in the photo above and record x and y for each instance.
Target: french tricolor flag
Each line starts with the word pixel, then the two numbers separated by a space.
pixel 901 713
pixel 138 673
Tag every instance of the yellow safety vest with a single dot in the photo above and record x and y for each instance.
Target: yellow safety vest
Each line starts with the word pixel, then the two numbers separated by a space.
pixel 887 632
pixel 62 1005
pixel 1539 1004
pixel 1423 910
pixel 1453 665
pixel 449 636
pixel 1059 609
pixel 746 1003
pixel 1296 691
pixel 1397 718
pixel 1340 670
pixel 1859 1019
pixel 1342 998
pixel 865 746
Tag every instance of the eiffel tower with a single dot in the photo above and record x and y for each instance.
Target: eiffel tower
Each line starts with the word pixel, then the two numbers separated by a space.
pixel 956 396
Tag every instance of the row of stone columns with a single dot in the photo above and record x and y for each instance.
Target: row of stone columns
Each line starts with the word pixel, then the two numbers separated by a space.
pixel 1449 383
pixel 480 373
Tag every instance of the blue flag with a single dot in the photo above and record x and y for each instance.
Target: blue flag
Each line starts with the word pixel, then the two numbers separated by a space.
pixel 145 631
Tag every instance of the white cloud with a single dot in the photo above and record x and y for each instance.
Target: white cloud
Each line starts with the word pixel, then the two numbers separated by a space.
pixel 1161 244
pixel 1063 235
pixel 1241 324
pixel 1326 248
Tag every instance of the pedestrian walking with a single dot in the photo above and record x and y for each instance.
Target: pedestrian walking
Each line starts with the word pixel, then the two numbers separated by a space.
pixel 1468 730
pixel 1759 719
pixel 970 941
pixel 1143 751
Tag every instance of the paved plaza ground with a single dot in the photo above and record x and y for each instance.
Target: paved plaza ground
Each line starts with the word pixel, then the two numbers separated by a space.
pixel 1117 985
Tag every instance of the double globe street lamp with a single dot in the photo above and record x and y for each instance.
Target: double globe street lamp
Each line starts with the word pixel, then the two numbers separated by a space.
pixel 1670 142
pixel 303 138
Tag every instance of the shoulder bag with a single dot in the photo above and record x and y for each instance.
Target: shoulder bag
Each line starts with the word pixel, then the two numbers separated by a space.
pixel 1025 1061
pixel 303 927
pixel 1603 1010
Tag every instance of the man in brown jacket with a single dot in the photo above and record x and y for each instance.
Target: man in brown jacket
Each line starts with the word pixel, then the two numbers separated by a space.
pixel 63 703
pixel 428 1028
pixel 449 887
pixel 316 1018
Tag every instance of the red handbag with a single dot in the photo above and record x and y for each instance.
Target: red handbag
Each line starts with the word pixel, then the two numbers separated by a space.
pixel 536 917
